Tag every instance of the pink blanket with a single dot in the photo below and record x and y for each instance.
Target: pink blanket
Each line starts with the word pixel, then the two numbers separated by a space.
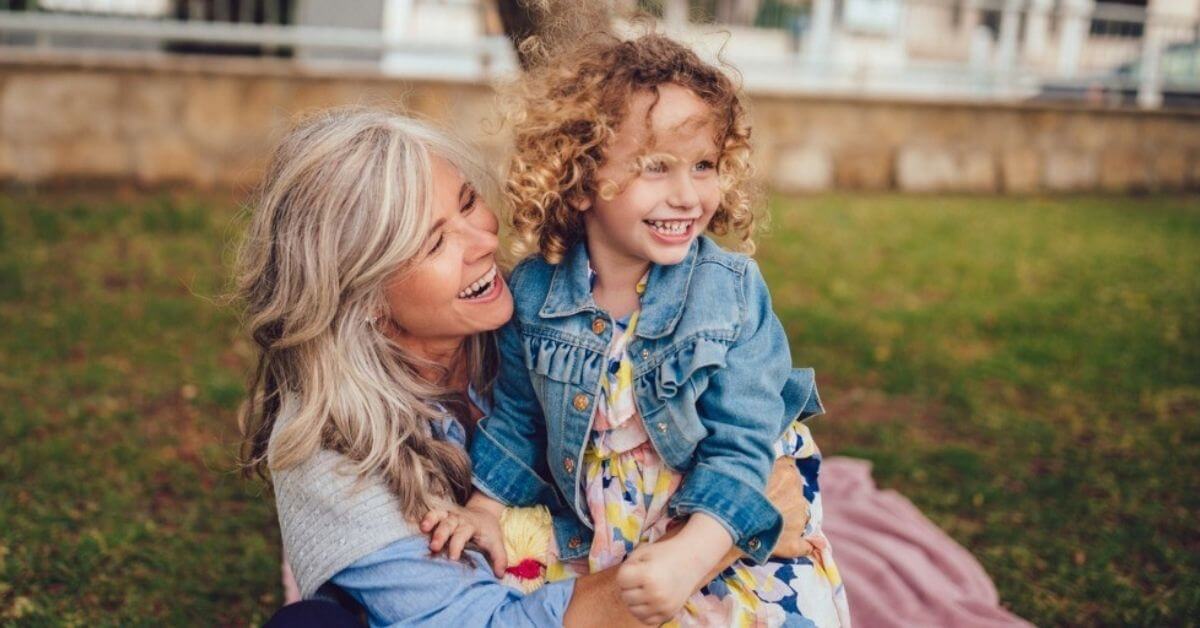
pixel 899 568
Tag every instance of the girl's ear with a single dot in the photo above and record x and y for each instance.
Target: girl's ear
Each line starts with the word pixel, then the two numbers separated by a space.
pixel 579 202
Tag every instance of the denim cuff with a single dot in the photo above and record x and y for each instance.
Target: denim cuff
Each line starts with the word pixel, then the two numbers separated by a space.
pixel 503 476
pixel 745 512
pixel 572 539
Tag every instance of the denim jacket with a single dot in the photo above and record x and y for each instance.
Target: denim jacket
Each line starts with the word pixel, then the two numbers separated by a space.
pixel 713 382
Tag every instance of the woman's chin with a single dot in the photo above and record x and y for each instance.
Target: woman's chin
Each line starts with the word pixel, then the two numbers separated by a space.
pixel 491 311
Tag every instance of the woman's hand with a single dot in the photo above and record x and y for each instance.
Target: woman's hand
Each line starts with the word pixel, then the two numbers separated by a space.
pixel 453 527
pixel 786 492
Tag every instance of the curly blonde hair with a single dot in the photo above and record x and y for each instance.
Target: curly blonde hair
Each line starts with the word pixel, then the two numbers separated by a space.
pixel 566 113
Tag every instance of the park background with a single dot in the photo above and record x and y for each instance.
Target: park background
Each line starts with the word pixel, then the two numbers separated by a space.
pixel 985 237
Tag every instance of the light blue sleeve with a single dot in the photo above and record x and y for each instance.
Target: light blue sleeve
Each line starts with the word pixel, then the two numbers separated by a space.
pixel 402 585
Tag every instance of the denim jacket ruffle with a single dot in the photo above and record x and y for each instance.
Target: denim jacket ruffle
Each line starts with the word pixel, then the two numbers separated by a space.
pixel 712 379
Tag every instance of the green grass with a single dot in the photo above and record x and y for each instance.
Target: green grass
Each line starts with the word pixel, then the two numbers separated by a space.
pixel 1027 371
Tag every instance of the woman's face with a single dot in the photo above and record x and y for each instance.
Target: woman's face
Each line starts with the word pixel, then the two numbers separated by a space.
pixel 453 288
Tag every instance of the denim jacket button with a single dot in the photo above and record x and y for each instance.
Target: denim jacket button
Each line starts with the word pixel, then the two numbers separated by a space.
pixel 662 427
pixel 580 402
pixel 569 464
pixel 645 353
pixel 598 326
pixel 575 542
pixel 754 544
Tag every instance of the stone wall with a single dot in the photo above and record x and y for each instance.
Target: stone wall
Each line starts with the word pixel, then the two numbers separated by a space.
pixel 210 123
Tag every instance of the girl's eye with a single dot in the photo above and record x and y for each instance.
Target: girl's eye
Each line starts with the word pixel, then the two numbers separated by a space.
pixel 656 167
pixel 705 165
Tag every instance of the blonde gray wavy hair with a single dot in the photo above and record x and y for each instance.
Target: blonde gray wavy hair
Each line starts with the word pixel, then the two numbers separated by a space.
pixel 344 207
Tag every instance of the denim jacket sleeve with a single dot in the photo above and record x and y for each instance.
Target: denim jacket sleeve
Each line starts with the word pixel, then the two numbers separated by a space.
pixel 508 450
pixel 743 412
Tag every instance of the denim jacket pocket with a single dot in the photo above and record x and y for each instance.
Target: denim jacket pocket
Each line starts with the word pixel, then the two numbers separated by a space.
pixel 675 384
pixel 691 365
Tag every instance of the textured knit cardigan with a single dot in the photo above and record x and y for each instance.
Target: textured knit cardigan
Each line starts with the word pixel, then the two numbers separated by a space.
pixel 327 517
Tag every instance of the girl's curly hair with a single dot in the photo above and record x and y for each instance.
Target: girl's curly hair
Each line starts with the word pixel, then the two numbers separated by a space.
pixel 567 109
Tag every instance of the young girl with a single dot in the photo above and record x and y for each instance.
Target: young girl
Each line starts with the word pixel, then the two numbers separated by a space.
pixel 645 380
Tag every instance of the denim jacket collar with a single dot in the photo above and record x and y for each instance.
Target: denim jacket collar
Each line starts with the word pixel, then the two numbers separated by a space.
pixel 571 293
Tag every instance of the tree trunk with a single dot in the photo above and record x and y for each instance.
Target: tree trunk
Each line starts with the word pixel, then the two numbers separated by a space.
pixel 519 23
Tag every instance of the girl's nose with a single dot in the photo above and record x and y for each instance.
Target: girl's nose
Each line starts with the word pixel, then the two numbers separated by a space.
pixel 683 192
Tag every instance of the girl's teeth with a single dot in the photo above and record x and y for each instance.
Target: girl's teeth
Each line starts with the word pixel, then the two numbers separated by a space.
pixel 671 226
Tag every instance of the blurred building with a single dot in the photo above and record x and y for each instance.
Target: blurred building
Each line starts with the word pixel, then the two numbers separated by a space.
pixel 1120 51
pixel 981 96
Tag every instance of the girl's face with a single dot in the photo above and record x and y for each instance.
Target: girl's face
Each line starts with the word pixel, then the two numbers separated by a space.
pixel 663 160
pixel 453 288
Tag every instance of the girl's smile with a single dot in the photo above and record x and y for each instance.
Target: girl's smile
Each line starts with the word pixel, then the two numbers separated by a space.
pixel 672 231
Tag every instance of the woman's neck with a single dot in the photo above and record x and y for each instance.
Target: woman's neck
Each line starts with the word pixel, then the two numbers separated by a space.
pixel 443 361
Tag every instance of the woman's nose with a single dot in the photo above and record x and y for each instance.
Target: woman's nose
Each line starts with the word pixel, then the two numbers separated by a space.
pixel 484 236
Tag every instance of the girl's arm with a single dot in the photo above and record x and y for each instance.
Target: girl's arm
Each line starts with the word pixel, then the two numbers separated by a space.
pixel 508 449
pixel 744 412
pixel 598 599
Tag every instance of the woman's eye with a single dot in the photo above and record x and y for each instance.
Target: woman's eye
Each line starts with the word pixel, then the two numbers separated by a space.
pixel 705 165
pixel 437 244
pixel 471 202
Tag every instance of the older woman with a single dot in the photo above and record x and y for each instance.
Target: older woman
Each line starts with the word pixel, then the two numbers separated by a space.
pixel 370 284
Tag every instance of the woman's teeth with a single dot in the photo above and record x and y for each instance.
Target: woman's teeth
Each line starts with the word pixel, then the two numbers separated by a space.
pixel 670 227
pixel 480 286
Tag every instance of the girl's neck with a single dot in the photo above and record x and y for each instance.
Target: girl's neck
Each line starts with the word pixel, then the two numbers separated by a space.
pixel 617 276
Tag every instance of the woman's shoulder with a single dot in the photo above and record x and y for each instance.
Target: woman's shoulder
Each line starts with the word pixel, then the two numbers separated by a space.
pixel 328 516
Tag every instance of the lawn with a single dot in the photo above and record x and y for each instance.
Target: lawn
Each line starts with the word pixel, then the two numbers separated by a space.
pixel 1026 370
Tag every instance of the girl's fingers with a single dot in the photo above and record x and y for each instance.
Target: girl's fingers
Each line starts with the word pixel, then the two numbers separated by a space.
pixel 496 553
pixel 438 539
pixel 431 519
pixel 649 614
pixel 458 541
pixel 633 597
pixel 629 576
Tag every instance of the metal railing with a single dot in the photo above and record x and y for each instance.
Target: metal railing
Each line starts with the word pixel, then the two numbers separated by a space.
pixel 1082 50
pixel 417 37
pixel 1115 54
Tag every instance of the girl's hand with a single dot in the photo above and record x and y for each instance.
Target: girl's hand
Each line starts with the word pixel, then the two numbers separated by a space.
pixel 452 528
pixel 786 492
pixel 657 579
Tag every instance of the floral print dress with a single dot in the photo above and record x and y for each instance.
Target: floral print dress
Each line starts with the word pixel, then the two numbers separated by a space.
pixel 627 487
